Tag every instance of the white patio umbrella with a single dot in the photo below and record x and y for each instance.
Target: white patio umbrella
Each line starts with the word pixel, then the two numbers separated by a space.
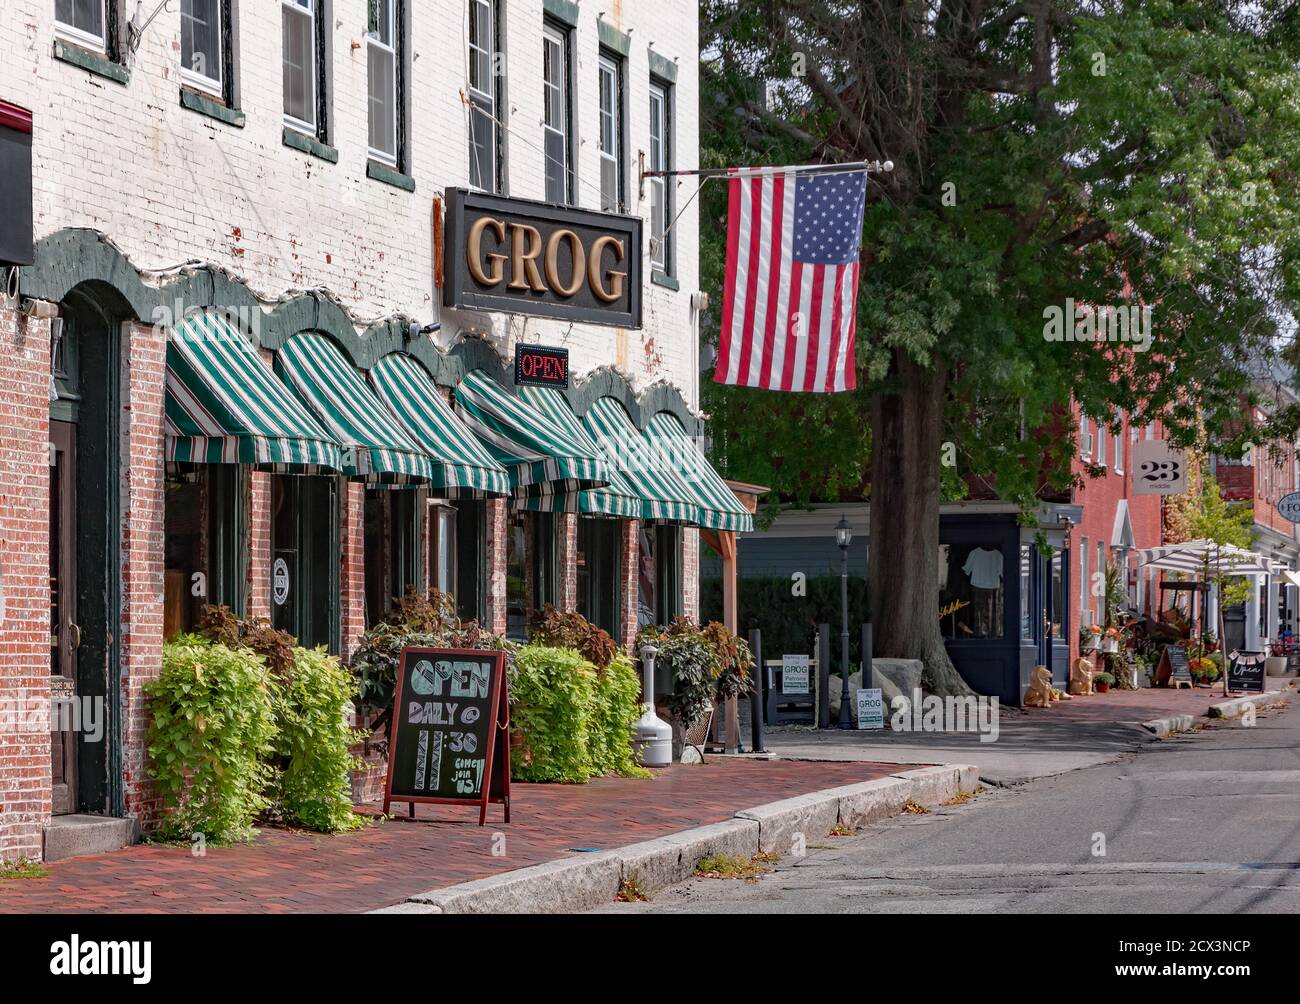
pixel 1209 558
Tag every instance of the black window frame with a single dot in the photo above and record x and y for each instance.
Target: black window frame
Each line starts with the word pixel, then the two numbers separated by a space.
pixel 668 268
pixel 619 63
pixel 229 91
pixel 321 14
pixel 565 33
pixel 604 561
pixel 495 57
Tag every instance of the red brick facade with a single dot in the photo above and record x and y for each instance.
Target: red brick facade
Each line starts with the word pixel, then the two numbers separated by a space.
pixel 24 585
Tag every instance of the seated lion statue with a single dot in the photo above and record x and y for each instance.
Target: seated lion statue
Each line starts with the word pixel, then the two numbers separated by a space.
pixel 1081 677
pixel 1039 692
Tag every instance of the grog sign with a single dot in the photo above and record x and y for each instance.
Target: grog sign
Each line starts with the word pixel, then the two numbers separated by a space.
pixel 550 261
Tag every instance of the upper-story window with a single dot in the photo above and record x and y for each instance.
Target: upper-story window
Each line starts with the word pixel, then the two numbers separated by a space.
pixel 304 71
pixel 661 189
pixel 83 21
pixel 205 46
pixel 1101 443
pixel 613 191
pixel 484 86
pixel 383 62
pixel 1119 446
pixel 557 114
pixel 1085 439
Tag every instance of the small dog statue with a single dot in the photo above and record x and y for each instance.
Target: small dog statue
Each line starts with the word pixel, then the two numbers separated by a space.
pixel 1039 692
pixel 1081 678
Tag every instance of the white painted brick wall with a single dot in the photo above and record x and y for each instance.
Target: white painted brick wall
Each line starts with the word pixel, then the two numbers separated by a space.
pixel 168 184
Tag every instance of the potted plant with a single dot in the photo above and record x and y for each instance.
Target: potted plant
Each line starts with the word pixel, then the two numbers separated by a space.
pixel 1102 682
pixel 1204 670
pixel 1090 637
pixel 1110 640
pixel 1275 664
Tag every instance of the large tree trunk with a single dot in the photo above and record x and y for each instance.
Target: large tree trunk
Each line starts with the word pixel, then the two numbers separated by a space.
pixel 906 436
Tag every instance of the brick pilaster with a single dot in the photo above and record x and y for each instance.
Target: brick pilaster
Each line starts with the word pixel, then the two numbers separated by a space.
pixel 495 615
pixel 257 508
pixel 144 351
pixel 24 585
pixel 352 571
pixel 567 559
pixel 629 554
pixel 691 573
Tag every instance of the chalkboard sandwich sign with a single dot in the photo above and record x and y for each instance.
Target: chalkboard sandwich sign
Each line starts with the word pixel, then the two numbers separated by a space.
pixel 1173 668
pixel 451 728
pixel 1246 671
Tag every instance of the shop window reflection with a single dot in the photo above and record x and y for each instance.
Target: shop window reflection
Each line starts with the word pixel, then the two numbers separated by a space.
pixel 971 591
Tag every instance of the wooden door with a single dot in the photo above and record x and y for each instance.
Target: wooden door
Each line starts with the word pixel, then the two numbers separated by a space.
pixel 65 634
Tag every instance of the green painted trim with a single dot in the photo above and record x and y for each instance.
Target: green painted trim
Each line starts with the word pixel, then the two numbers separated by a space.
pixel 565 10
pixel 662 67
pixel 68 258
pixel 196 102
pixel 97 64
pixel 388 176
pixel 667 281
pixel 307 144
pixel 612 38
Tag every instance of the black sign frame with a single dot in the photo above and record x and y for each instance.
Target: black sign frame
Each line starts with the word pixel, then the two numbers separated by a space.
pixel 1251 681
pixel 17 244
pixel 493 732
pixel 460 290
pixel 540 351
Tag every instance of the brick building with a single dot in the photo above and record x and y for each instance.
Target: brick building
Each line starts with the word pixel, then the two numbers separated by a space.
pixel 233 371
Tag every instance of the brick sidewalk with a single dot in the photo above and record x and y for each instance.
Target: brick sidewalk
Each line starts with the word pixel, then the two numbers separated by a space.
pixel 283 872
pixel 1140 705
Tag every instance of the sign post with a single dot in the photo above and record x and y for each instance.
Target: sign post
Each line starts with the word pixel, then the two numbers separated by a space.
pixel 451 730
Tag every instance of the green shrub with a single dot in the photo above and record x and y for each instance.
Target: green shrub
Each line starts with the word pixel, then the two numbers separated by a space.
pixel 561 629
pixel 707 664
pixel 553 699
pixel 617 708
pixel 313 789
pixel 212 721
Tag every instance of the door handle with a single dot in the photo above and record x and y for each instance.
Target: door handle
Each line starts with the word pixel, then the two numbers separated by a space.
pixel 74 637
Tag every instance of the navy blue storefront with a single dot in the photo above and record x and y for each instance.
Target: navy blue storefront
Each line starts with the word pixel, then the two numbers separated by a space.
pixel 1003 595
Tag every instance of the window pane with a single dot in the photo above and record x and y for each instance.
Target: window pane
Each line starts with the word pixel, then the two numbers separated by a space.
pixel 482 149
pixel 201 38
pixel 382 22
pixel 299 63
pixel 555 167
pixel 658 218
pixel 84 15
pixel 608 185
pixel 383 102
pixel 971 591
pixel 481 46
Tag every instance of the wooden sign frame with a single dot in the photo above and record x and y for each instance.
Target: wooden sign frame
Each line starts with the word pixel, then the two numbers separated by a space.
pixel 498 751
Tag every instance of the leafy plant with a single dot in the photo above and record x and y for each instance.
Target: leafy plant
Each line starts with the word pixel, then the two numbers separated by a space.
pixel 1105 678
pixel 708 664
pixel 313 788
pixel 616 708
pixel 554 696
pixel 559 629
pixel 221 626
pixel 212 724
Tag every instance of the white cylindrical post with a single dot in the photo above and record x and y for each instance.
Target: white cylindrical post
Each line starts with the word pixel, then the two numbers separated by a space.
pixel 654 736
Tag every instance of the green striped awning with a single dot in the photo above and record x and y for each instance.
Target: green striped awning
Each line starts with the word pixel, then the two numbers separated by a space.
pixel 618 498
pixel 541 457
pixel 462 467
pixel 225 406
pixel 664 496
pixel 719 509
pixel 375 448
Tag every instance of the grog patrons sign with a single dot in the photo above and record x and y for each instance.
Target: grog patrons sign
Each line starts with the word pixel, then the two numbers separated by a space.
pixel 1158 468
pixel 451 723
pixel 523 257
pixel 541 364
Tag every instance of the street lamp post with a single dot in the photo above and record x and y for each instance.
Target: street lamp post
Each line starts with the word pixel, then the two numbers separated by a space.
pixel 844 537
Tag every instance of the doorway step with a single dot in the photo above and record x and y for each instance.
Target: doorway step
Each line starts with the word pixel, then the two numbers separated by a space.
pixel 72 836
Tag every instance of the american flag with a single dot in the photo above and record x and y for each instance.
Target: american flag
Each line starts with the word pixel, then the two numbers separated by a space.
pixel 790 304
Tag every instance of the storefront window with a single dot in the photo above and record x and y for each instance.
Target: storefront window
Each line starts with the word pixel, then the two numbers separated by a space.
pixel 659 575
pixel 457 554
pixel 392 550
pixel 599 571
pixel 1026 593
pixel 971 592
pixel 203 542
pixel 531 580
pixel 305 558
pixel 1057 612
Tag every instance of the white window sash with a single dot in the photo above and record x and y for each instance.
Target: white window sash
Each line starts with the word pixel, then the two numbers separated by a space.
pixel 212 85
pixel 373 41
pixel 81 37
pixel 313 74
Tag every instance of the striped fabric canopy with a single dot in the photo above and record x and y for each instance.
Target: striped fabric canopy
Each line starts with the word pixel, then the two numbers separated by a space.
pixel 618 499
pixel 375 448
pixel 671 447
pixel 538 453
pixel 225 406
pixel 1194 556
pixel 664 496
pixel 462 467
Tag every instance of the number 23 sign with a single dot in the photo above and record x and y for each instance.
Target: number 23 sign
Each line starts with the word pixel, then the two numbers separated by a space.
pixel 1158 468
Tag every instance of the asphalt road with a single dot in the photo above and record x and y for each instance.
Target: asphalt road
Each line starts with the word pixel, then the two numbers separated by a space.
pixel 1204 822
